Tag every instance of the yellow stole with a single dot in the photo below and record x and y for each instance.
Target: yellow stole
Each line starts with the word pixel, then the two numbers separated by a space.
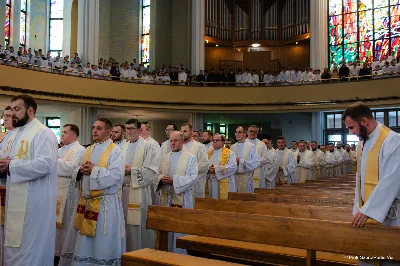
pixel 371 177
pixel 223 183
pixel 88 210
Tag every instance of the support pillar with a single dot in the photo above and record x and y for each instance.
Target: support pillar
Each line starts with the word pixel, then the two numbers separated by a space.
pixel 84 119
pixel 196 120
pixel 317 127
pixel 67 29
pixel 2 19
pixel 15 23
pixel 197 47
pixel 88 30
pixel 319 34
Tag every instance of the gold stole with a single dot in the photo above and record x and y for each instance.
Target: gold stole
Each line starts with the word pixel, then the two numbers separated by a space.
pixel 257 171
pixel 241 178
pixel 88 210
pixel 177 199
pixel 371 177
pixel 223 183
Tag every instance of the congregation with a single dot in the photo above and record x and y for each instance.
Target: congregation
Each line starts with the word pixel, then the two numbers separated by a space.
pixel 387 66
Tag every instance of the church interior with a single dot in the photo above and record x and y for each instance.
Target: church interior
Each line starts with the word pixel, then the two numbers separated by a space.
pixel 285 67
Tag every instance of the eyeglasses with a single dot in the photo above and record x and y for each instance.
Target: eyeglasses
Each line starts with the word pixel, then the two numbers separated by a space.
pixel 240 132
pixel 216 140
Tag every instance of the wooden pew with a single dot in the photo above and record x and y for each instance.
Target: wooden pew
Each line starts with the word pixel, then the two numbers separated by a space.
pixel 319 201
pixel 310 234
pixel 326 185
pixel 319 193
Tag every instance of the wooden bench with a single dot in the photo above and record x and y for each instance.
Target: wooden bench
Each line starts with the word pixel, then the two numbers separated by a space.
pixel 310 234
pixel 320 201
pixel 300 192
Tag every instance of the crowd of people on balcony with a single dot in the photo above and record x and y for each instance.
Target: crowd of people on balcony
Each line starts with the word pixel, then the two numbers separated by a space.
pixel 135 72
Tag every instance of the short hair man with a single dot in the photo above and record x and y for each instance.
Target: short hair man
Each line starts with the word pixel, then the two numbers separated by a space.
pixel 228 143
pixel 196 135
pixel 165 146
pixel 207 139
pixel 286 162
pixel 118 135
pixel 305 163
pixel 319 160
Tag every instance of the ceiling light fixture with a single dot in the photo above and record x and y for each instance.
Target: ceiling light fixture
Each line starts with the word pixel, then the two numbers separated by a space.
pixel 255 45
pixel 206 41
pixel 297 42
pixel 216 45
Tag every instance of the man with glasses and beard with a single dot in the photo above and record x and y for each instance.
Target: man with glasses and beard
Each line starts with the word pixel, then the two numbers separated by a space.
pixel 377 197
pixel 207 139
pixel 30 166
pixel 118 134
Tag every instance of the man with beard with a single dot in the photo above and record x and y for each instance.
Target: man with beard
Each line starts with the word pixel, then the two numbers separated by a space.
pixel 207 139
pixel 318 170
pixel 69 158
pixel 305 163
pixel 141 161
pixel 196 135
pixel 96 233
pixel 118 135
pixel 165 146
pixel 377 197
pixel 228 143
pixel 199 151
pixel 31 170
pixel 353 159
pixel 295 148
pixel 345 158
pixel 331 160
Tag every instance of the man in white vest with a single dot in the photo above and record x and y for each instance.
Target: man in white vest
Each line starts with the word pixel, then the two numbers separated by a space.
pixel 196 135
pixel 207 139
pixel 295 148
pixel 305 163
pixel 286 162
pixel 377 197
pixel 69 158
pixel 319 160
pixel 96 233
pixel 247 160
pixel 146 134
pixel 31 170
pixel 338 160
pixel 141 163
pixel 353 159
pixel 177 179
pixel 166 146
pixel 345 158
pixel 268 163
pixel 199 151
pixel 222 169
pixel 118 135
pixel 330 161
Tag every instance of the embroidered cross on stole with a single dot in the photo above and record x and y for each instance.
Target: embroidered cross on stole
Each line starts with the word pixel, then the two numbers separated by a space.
pixel 223 183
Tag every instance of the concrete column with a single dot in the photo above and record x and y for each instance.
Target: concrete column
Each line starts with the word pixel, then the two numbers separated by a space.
pixel 15 14
pixel 84 119
pixel 197 34
pixel 317 126
pixel 88 30
pixel 319 34
pixel 197 121
pixel 67 28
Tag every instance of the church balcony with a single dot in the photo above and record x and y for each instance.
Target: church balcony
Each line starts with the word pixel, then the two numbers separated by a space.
pixel 285 98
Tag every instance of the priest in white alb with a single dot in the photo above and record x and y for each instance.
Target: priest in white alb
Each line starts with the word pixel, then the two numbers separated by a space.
pixel 165 146
pixel 330 161
pixel 286 162
pixel 337 168
pixel 198 150
pixel 345 158
pixel 377 197
pixel 319 166
pixel 222 169
pixel 305 164
pixel 177 179
pixel 141 163
pixel 96 233
pixel 118 135
pixel 353 159
pixel 69 158
pixel 247 160
pixel 30 166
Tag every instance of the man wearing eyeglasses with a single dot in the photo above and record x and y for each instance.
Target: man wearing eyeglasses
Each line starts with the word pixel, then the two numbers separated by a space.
pixel 286 162
pixel 246 159
pixel 165 146
pixel 268 164
pixel 222 169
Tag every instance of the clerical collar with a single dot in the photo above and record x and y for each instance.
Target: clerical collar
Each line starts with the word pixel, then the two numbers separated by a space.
pixel 68 145
pixel 242 141
pixel 134 141
pixel 119 142
pixel 377 128
pixel 104 142
pixel 175 152
pixel 282 149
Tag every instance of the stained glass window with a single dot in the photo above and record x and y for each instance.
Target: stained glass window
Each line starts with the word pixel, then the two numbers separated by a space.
pixel 145 43
pixel 56 25
pixel 22 24
pixel 7 22
pixel 363 29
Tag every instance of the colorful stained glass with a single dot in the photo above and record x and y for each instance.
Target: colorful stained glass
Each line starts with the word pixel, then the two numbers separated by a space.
pixel 335 7
pixel 381 23
pixel 350 28
pixel 146 48
pixel 381 48
pixel 23 5
pixel 395 21
pixel 22 29
pixel 7 25
pixel 350 6
pixel 56 34
pixel 381 3
pixel 395 47
pixel 394 2
pixel 365 5
pixel 146 20
pixel 8 2
pixel 365 25
pixel 350 52
pixel 335 30
pixel 146 2
pixel 336 54
pixel 366 51
pixel 56 8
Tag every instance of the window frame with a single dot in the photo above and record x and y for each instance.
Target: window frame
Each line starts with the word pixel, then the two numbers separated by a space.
pixel 145 64
pixel 26 14
pixel 8 37
pixel 50 20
